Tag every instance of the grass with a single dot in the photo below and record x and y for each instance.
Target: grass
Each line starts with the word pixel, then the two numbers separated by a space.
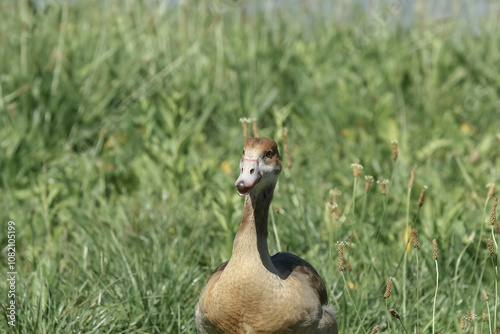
pixel 120 143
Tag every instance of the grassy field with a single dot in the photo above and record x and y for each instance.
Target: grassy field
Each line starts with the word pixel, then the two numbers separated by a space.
pixel 120 141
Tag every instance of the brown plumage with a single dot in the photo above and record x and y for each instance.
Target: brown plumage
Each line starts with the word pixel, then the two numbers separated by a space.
pixel 254 292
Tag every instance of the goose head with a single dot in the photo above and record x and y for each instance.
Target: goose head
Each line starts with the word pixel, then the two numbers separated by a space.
pixel 260 166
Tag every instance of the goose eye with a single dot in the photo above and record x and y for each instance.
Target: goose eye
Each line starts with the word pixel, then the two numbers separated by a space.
pixel 269 154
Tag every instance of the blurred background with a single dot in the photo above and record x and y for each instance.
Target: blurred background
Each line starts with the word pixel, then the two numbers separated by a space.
pixel 120 138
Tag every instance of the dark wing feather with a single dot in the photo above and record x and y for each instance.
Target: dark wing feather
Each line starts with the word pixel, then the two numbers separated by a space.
pixel 287 263
pixel 219 269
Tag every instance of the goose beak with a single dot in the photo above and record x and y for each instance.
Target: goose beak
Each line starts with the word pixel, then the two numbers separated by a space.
pixel 250 175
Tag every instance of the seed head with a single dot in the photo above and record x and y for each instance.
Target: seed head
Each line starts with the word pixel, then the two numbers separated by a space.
pixel 412 177
pixel 334 194
pixel 388 288
pixel 394 313
pixel 244 122
pixel 334 210
pixel 375 329
pixel 348 267
pixel 254 128
pixel 414 239
pixel 484 317
pixel 435 250
pixel 491 247
pixel 422 197
pixel 284 134
pixel 394 150
pixel 356 168
pixel 485 296
pixel 493 214
pixel 462 323
pixel 331 207
pixel 383 183
pixel 491 189
pixel 369 180
pixel 341 258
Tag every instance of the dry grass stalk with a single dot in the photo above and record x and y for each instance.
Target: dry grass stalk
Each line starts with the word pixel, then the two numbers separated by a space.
pixel 375 329
pixel 244 15
pixel 284 134
pixel 341 258
pixel 394 150
pixel 414 239
pixel 412 177
pixel 388 288
pixel 435 250
pixel 421 198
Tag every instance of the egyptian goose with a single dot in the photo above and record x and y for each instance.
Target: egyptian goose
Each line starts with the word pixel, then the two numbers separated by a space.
pixel 254 292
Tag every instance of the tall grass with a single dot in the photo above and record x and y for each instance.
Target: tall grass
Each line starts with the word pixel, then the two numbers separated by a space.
pixel 120 142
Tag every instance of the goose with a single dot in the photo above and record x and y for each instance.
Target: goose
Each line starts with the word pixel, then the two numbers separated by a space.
pixel 254 292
